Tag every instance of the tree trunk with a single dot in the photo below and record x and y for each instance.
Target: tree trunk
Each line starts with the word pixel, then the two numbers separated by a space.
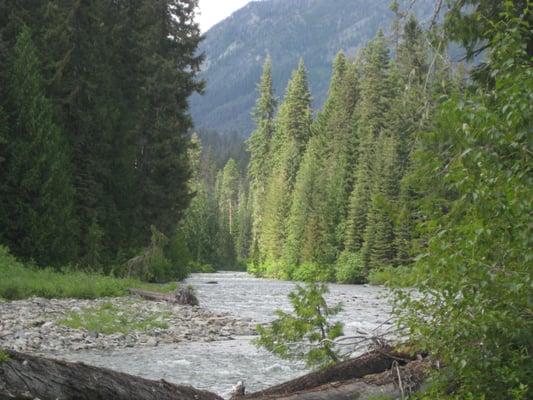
pixel 373 362
pixel 24 377
pixel 350 390
pixel 183 296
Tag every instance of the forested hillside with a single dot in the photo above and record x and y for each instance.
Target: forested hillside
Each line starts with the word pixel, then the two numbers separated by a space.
pixel 288 30
pixel 415 171
pixel 94 130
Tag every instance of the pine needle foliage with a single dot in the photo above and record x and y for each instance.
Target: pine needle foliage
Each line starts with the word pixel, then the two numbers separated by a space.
pixel 308 333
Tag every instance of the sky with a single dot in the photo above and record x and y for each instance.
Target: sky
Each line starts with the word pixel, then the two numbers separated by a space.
pixel 214 11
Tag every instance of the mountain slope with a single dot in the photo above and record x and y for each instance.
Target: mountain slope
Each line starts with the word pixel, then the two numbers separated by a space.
pixel 286 29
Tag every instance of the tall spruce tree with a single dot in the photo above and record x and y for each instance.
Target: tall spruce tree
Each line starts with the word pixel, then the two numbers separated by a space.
pixel 169 65
pixel 38 192
pixel 318 203
pixel 259 147
pixel 379 246
pixel 293 129
pixel 372 112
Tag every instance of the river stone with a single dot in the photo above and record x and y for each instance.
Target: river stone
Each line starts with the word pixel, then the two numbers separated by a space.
pixel 34 325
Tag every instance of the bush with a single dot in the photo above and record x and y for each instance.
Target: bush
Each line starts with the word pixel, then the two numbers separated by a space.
pixel 349 268
pixel 269 269
pixel 20 282
pixel 162 261
pixel 394 277
pixel 195 266
pixel 312 272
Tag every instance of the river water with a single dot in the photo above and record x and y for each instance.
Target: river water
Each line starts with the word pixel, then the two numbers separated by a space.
pixel 217 366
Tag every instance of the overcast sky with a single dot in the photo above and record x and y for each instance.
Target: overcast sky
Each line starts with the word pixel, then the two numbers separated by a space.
pixel 213 11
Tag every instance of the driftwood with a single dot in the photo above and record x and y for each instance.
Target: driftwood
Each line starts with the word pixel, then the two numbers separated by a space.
pixel 24 377
pixel 184 296
pixel 395 383
pixel 373 362
pixel 379 372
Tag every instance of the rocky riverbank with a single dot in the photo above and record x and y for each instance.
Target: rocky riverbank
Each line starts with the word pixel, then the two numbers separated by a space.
pixel 46 326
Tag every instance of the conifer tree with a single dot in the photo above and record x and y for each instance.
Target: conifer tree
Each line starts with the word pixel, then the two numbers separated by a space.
pixel 317 206
pixel 199 226
pixel 39 194
pixel 371 120
pixel 378 249
pixel 293 125
pixel 228 196
pixel 259 148
pixel 244 225
pixel 169 67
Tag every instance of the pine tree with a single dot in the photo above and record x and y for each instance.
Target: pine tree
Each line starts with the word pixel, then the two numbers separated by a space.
pixel 228 196
pixel 169 67
pixel 244 223
pixel 199 227
pixel 288 145
pixel 39 193
pixel 318 203
pixel 259 148
pixel 372 112
pixel 378 249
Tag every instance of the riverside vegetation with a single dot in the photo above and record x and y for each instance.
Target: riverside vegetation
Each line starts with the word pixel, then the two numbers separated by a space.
pixel 417 171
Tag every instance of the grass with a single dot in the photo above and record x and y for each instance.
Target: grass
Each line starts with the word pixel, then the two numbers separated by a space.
pixel 3 357
pixel 395 277
pixel 20 282
pixel 108 319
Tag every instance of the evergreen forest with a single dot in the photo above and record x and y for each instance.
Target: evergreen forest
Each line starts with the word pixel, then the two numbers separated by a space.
pixel 415 173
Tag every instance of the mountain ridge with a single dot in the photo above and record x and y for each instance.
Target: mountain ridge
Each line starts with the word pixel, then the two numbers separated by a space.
pixel 288 30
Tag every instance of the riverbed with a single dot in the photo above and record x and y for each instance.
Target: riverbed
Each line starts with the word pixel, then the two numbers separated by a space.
pixel 218 356
pixel 219 365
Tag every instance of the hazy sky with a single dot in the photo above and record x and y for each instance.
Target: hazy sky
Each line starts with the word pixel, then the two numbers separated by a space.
pixel 213 11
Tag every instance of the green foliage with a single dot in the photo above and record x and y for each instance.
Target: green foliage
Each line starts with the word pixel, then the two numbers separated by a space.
pixel 3 357
pixel 394 277
pixel 308 333
pixel 311 272
pixel 203 268
pixel 108 319
pixel 38 211
pixel 293 129
pixel 92 157
pixel 349 268
pixel 474 169
pixel 21 282
pixel 164 260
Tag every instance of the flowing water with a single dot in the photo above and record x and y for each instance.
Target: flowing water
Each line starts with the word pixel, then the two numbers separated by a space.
pixel 217 366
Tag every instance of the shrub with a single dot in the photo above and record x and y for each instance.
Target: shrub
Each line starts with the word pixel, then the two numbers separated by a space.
pixel 312 272
pixel 196 266
pixel 162 260
pixel 308 333
pixel 349 268
pixel 394 277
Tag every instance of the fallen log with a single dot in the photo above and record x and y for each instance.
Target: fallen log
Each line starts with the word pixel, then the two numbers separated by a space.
pixel 24 377
pixel 183 295
pixel 349 390
pixel 395 383
pixel 373 362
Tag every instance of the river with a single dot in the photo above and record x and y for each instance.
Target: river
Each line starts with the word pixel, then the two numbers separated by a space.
pixel 217 366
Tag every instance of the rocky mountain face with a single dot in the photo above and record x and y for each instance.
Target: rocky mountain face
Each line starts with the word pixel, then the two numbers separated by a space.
pixel 316 30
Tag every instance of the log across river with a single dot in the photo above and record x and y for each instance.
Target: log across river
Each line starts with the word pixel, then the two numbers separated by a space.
pixel 218 365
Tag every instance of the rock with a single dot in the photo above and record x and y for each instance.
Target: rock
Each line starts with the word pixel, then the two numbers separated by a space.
pixel 19 334
pixel 32 325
